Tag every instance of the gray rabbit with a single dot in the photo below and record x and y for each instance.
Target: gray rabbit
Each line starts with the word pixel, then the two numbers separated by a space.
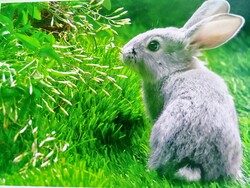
pixel 195 134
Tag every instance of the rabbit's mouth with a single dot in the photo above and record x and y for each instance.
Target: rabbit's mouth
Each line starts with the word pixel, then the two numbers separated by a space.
pixel 128 59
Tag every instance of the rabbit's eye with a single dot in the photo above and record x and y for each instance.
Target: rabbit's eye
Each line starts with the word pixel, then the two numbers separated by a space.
pixel 154 46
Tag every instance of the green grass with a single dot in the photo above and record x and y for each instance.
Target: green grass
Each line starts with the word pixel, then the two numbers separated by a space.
pixel 108 135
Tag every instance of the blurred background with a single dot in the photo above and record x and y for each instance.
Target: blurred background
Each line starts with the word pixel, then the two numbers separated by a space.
pixel 163 13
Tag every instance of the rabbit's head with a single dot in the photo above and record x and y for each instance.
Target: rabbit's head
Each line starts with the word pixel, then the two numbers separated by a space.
pixel 160 52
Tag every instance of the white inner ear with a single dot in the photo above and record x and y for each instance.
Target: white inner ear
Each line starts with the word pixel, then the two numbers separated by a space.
pixel 216 32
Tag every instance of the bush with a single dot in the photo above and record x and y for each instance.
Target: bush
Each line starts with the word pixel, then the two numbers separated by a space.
pixel 49 53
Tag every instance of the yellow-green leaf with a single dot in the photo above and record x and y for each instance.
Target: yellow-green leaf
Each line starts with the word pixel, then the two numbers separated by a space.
pixel 30 42
pixel 48 51
pixel 107 4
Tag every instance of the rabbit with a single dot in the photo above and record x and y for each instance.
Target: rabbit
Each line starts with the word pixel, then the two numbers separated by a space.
pixel 195 136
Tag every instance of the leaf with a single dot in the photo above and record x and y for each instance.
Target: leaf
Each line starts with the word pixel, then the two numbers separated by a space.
pixel 20 132
pixel 66 145
pixel 111 79
pixel 47 105
pixel 36 13
pixel 30 42
pixel 24 17
pixel 4 32
pixel 67 101
pixel 107 4
pixel 121 76
pixel 50 38
pixel 20 157
pixel 46 163
pixel 34 146
pixel 60 73
pixel 31 89
pixel 46 140
pixel 117 86
pixel 48 51
pixel 49 155
pixel 94 91
pixel 7 92
pixel 64 111
pixel 119 9
pixel 107 93
pixel 6 22
pixel 34 130
pixel 37 92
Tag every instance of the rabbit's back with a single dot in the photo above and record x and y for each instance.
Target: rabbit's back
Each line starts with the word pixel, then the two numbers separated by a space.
pixel 205 128
pixel 206 93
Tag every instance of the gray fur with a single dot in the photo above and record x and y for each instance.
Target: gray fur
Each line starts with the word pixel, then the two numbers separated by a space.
pixel 195 134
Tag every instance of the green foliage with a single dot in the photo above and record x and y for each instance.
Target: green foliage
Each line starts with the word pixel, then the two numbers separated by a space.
pixel 41 68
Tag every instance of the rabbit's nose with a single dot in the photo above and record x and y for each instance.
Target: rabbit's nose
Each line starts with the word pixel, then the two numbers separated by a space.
pixel 129 55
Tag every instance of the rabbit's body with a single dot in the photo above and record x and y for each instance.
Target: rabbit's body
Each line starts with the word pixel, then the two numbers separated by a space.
pixel 195 128
pixel 195 134
pixel 155 93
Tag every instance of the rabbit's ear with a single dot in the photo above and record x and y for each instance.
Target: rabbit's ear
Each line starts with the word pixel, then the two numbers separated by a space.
pixel 207 9
pixel 214 31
